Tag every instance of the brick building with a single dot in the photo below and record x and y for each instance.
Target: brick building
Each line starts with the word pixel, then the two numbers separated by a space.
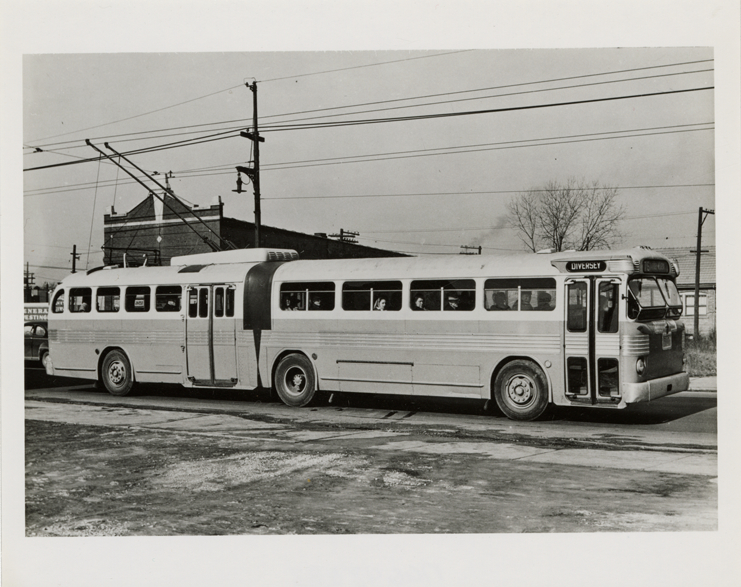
pixel 155 232
pixel 686 284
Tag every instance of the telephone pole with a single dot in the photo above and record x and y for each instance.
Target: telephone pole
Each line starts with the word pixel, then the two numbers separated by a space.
pixel 346 236
pixel 702 215
pixel 254 172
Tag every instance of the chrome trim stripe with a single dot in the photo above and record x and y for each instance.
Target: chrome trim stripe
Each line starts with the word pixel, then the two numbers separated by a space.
pixel 118 337
pixel 377 362
pixel 482 342
pixel 635 344
pixel 395 382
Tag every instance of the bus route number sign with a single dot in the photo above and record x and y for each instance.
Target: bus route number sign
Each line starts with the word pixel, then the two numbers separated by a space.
pixel 585 266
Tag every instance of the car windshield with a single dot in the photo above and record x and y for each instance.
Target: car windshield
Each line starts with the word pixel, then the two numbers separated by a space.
pixel 651 298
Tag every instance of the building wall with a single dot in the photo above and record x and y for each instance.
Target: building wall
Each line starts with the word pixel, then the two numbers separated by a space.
pixel 154 233
pixel 707 321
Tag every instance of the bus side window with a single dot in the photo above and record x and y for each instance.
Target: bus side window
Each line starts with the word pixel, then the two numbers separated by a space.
pixel 167 298
pixel 57 306
pixel 229 302
pixel 80 299
pixel 445 294
pixel 219 302
pixel 203 303
pixel 108 299
pixel 577 311
pixel 137 298
pixel 371 295
pixel 430 293
pixel 192 303
pixel 307 296
pixel 607 317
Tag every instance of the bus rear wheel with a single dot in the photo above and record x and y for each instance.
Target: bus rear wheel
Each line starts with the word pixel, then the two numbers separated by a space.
pixel 116 374
pixel 521 391
pixel 294 381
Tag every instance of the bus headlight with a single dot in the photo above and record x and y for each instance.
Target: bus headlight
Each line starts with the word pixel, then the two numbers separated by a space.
pixel 640 365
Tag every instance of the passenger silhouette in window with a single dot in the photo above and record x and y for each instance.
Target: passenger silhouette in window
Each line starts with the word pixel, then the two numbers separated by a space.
pixel 500 301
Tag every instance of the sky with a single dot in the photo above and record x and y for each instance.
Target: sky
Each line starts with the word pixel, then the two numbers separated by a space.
pixel 422 186
pixel 78 69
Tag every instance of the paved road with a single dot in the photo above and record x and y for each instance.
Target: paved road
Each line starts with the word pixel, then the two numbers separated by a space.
pixel 385 465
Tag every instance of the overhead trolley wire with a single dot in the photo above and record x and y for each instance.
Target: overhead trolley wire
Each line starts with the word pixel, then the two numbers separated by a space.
pixel 219 136
pixel 118 136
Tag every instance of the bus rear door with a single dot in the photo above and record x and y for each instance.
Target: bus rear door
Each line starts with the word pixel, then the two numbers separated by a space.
pixel 592 340
pixel 210 336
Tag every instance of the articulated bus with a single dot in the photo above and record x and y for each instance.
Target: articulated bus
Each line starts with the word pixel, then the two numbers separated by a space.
pixel 597 328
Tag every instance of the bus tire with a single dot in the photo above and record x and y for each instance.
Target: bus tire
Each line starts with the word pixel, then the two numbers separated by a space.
pixel 295 382
pixel 116 374
pixel 521 390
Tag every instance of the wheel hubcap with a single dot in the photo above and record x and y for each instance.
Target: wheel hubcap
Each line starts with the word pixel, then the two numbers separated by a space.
pixel 295 382
pixel 116 373
pixel 520 390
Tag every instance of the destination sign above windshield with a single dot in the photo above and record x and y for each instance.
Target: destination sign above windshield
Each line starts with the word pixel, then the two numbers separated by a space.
pixel 585 266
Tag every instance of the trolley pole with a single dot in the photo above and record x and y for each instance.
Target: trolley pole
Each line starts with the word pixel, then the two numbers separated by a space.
pixel 702 215
pixel 254 173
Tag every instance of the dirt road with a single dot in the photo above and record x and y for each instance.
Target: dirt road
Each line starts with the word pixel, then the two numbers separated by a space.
pixel 157 465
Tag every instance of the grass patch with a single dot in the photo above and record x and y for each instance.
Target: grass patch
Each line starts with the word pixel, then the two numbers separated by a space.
pixel 701 354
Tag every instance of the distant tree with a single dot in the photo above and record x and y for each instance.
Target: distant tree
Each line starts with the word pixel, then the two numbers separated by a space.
pixel 573 215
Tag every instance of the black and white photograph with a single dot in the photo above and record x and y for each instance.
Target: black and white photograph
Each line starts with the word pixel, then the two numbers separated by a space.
pixel 326 309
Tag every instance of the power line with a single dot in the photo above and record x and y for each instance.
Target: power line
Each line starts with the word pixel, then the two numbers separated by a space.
pixel 277 128
pixel 509 94
pixel 239 86
pixel 109 137
pixel 275 79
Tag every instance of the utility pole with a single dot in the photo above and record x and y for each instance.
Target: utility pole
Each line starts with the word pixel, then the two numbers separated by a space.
pixel 702 215
pixel 28 282
pixel 75 257
pixel 254 172
pixel 346 236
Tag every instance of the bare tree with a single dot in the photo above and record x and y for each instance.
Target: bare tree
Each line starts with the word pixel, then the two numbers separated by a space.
pixel 573 215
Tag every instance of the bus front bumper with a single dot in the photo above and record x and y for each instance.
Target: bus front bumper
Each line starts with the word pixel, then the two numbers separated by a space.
pixel 656 388
pixel 49 365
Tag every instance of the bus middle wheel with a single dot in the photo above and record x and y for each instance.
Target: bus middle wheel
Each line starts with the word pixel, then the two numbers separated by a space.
pixel 521 391
pixel 116 374
pixel 294 381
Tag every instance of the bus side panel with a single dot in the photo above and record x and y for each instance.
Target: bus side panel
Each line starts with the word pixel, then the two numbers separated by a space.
pixel 247 360
pixel 465 355
pixel 71 347
pixel 154 342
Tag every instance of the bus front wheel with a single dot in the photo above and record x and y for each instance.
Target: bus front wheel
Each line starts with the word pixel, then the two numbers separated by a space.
pixel 521 391
pixel 294 381
pixel 116 374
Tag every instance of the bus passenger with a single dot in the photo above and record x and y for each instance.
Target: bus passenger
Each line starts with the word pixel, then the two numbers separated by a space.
pixel 419 303
pixel 544 301
pixel 380 304
pixel 452 304
pixel 500 301
pixel 316 304
pixel 526 305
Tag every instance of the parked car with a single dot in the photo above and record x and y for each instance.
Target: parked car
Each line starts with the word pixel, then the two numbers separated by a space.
pixel 36 342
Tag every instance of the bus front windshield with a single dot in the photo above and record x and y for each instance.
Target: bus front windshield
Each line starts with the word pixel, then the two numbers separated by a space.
pixel 651 298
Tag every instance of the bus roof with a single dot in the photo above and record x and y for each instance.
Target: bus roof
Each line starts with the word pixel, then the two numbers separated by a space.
pixel 118 276
pixel 442 266
pixel 457 266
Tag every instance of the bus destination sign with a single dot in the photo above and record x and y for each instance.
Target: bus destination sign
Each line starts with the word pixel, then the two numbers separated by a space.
pixel 585 266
